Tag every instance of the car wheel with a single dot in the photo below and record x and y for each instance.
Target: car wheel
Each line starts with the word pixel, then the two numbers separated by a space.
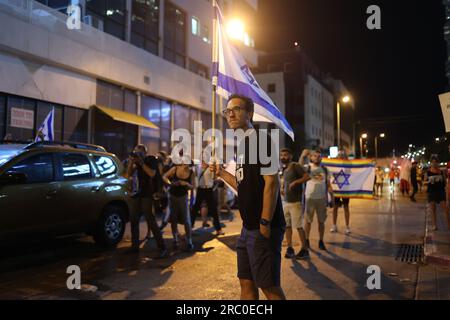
pixel 110 227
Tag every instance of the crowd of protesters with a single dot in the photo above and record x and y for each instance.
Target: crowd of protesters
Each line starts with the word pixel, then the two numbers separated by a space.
pixel 173 194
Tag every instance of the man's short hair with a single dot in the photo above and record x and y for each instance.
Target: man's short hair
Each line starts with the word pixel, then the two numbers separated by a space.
pixel 286 150
pixel 248 103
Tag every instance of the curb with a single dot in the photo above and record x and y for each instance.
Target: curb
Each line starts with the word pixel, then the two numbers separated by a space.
pixel 430 249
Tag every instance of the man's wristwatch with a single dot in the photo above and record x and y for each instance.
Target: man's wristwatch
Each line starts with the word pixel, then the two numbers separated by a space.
pixel 264 222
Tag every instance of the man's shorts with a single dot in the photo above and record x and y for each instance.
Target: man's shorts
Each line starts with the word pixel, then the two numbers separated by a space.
pixel 259 258
pixel 318 206
pixel 293 214
pixel 339 202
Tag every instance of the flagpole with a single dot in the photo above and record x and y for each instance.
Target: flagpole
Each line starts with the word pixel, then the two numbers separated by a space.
pixel 215 61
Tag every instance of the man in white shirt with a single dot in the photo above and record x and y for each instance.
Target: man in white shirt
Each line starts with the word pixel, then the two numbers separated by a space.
pixel 316 193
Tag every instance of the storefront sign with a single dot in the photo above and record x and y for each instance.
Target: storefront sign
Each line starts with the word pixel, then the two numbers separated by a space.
pixel 21 118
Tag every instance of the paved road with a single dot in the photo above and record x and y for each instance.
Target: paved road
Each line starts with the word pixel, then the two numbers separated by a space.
pixel 38 270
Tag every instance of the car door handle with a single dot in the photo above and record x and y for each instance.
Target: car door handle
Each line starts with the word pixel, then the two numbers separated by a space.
pixel 51 194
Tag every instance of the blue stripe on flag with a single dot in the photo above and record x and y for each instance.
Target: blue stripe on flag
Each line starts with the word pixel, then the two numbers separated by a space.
pixel 50 127
pixel 235 86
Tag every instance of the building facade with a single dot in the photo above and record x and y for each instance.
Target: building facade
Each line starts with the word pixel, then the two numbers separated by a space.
pixel 149 58
pixel 296 86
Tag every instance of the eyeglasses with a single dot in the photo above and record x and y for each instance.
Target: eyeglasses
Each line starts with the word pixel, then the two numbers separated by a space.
pixel 227 112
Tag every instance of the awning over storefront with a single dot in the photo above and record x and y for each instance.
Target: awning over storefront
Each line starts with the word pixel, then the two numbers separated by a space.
pixel 127 117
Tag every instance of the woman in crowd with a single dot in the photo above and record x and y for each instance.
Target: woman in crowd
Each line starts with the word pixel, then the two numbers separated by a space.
pixel 180 179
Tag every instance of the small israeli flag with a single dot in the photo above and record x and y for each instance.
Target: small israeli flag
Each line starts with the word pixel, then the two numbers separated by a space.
pixel 45 131
pixel 231 75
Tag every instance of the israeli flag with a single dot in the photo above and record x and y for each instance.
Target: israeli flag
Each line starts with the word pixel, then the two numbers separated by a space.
pixel 45 131
pixel 231 75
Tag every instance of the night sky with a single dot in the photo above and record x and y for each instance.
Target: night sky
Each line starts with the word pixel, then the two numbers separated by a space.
pixel 394 74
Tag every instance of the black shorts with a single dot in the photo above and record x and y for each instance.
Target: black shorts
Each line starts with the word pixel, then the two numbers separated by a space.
pixel 258 258
pixel 437 197
pixel 339 202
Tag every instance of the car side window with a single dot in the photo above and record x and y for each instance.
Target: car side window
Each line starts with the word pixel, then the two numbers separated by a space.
pixel 76 166
pixel 37 168
pixel 106 166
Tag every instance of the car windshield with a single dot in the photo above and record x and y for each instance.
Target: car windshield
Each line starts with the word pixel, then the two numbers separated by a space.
pixel 8 151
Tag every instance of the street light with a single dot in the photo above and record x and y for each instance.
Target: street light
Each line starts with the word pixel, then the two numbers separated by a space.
pixel 363 136
pixel 236 29
pixel 382 136
pixel 345 99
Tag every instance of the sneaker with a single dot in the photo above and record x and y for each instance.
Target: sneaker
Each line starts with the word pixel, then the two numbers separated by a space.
pixel 322 246
pixel 307 244
pixel 333 229
pixel 303 254
pixel 347 231
pixel 190 247
pixel 290 253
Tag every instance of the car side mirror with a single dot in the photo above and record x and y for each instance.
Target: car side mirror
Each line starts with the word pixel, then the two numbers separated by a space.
pixel 13 178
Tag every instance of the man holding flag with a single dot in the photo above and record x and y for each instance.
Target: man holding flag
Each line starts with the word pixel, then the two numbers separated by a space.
pixel 259 246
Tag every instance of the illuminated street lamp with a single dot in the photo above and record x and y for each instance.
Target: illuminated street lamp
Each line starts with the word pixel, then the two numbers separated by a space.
pixel 382 136
pixel 363 136
pixel 236 29
pixel 345 99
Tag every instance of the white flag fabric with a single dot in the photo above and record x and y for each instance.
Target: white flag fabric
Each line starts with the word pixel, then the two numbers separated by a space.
pixel 230 168
pixel 351 178
pixel 45 131
pixel 444 99
pixel 231 75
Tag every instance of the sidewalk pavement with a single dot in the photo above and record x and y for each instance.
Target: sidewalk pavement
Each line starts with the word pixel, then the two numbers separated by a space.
pixel 437 243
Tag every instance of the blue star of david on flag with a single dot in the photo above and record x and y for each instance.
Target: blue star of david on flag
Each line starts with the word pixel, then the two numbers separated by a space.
pixel 341 179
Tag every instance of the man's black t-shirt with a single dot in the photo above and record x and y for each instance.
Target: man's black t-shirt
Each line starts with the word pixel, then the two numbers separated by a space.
pixel 147 184
pixel 251 184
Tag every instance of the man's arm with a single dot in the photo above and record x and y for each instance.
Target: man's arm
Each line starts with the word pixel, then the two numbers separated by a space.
pixel 168 175
pixel 304 177
pixel 304 154
pixel 224 175
pixel 148 171
pixel 270 197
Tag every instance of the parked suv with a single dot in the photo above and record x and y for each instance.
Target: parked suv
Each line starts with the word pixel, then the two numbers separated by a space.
pixel 59 188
